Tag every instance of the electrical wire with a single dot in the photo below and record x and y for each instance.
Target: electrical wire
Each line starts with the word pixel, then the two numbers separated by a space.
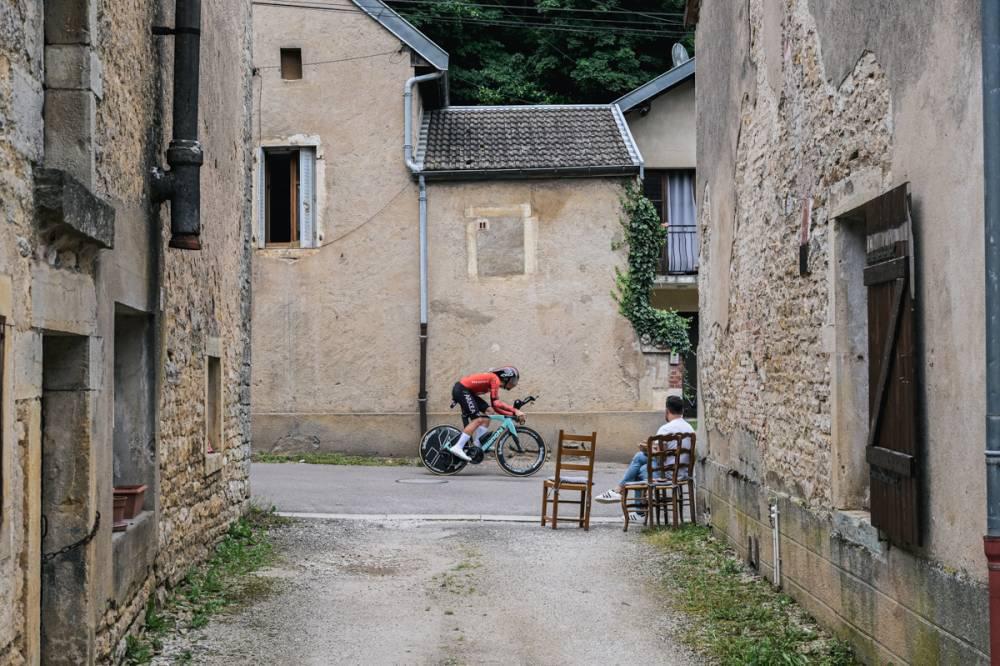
pixel 614 27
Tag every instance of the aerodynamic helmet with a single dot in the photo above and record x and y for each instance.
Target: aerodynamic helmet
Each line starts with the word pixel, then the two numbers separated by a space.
pixel 507 374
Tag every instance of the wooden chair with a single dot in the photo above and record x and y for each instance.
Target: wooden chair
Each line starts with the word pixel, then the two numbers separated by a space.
pixel 685 474
pixel 661 492
pixel 562 482
pixel 638 496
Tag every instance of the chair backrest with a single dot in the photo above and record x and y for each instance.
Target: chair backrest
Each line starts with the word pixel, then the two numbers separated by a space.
pixel 663 460
pixel 566 454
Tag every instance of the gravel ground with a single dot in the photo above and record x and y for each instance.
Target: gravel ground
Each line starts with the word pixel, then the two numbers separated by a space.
pixel 420 592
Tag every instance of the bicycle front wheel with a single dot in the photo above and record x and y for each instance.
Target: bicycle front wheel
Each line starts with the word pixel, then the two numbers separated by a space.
pixel 522 454
pixel 434 451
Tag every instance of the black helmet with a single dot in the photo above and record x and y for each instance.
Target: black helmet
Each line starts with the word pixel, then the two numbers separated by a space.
pixel 508 374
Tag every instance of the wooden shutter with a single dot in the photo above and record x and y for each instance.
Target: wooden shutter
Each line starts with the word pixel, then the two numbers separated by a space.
pixel 893 433
pixel 307 196
pixel 261 197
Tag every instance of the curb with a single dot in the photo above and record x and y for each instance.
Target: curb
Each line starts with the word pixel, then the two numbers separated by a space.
pixel 439 517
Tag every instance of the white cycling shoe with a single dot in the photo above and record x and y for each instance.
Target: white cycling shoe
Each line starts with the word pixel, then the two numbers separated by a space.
pixel 458 452
pixel 609 496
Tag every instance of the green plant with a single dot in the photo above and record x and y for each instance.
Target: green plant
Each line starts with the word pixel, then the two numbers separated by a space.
pixel 644 237
pixel 737 617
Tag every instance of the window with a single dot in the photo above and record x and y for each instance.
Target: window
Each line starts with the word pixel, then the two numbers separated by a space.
pixel 213 406
pixel 287 197
pixel 672 194
pixel 133 437
pixel 291 64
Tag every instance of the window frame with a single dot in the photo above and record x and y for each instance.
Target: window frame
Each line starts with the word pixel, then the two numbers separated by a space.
pixel 305 227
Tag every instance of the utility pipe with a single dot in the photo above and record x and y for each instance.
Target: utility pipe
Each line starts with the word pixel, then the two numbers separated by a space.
pixel 422 198
pixel 776 544
pixel 181 185
pixel 991 202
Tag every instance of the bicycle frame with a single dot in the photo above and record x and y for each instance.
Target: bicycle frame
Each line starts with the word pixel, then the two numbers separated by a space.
pixel 506 425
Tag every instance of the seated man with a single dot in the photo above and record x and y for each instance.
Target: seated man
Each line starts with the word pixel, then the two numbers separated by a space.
pixel 637 468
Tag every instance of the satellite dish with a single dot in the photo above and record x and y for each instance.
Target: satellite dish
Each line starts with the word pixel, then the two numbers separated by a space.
pixel 679 54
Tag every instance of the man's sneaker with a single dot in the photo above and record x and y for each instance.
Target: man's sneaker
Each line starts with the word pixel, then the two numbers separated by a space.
pixel 458 452
pixel 609 496
pixel 636 517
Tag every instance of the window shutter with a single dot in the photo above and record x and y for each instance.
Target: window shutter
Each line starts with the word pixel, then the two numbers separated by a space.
pixel 307 197
pixel 261 197
pixel 893 434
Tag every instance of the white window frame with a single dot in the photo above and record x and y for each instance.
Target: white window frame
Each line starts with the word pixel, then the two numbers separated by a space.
pixel 307 218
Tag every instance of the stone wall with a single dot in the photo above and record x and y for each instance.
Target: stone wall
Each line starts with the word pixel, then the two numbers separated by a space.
pixel 82 251
pixel 819 106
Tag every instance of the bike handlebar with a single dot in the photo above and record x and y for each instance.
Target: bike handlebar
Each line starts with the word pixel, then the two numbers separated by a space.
pixel 518 404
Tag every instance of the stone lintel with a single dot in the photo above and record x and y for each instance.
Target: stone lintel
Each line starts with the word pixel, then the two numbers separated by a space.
pixel 64 203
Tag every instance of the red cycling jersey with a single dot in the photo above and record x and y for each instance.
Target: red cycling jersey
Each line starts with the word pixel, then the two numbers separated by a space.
pixel 487 382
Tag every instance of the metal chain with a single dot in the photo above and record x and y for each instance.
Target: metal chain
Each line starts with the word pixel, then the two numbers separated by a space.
pixel 76 544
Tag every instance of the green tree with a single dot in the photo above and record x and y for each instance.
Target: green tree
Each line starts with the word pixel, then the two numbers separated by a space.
pixel 550 51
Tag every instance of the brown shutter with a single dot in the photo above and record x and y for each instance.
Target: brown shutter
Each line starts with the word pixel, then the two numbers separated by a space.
pixel 892 368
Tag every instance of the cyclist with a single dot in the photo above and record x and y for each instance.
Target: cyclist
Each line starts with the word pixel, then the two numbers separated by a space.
pixel 466 393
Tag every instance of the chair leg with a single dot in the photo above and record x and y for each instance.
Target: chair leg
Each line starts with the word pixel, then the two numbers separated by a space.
pixel 583 496
pixel 674 506
pixel 625 509
pixel 545 503
pixel 555 508
pixel 691 503
pixel 586 519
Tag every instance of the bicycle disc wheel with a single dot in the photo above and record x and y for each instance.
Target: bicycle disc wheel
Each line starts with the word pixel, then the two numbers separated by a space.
pixel 434 450
pixel 522 454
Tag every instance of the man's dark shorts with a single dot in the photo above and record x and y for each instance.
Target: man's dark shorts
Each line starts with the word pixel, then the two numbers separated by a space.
pixel 472 405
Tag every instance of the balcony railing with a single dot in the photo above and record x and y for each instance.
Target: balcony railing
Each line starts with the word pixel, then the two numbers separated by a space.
pixel 680 253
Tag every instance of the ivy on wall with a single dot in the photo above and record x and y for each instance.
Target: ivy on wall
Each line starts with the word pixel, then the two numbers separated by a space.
pixel 645 236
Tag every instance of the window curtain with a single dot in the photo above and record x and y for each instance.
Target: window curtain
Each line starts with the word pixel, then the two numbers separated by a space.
pixel 682 240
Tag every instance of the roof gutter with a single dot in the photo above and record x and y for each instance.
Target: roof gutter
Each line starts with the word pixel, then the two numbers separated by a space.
pixel 563 172
pixel 422 225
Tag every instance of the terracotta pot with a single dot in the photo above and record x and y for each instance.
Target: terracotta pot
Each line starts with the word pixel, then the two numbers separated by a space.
pixel 119 504
pixel 133 496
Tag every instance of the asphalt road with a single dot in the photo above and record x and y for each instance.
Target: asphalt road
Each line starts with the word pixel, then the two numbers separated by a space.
pixel 399 491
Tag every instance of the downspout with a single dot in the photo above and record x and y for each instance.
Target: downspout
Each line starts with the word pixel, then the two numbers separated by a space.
pixel 415 169
pixel 181 185
pixel 991 196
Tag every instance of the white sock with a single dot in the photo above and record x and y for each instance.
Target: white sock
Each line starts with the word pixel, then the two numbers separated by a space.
pixel 480 431
pixel 461 441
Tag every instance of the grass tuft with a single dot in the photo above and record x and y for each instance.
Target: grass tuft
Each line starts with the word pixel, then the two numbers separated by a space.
pixel 330 458
pixel 738 618
pixel 207 589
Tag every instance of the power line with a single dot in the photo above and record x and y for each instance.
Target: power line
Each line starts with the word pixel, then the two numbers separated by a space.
pixel 586 29
pixel 327 62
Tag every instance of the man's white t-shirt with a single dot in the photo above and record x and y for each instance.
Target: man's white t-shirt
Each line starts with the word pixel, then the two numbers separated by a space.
pixel 678 426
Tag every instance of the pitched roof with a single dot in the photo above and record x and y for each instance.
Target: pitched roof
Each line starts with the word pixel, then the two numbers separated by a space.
pixel 406 33
pixel 521 141
pixel 656 87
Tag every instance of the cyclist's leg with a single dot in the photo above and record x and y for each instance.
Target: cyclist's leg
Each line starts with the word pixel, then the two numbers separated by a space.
pixel 471 415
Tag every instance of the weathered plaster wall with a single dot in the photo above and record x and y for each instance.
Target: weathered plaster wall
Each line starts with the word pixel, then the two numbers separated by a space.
pixel 666 136
pixel 59 284
pixel 336 348
pixel 821 101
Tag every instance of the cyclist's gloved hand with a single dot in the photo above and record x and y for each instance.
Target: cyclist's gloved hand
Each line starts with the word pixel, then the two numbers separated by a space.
pixel 521 418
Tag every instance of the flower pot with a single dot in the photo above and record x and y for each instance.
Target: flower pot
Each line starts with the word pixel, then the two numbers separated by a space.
pixel 133 496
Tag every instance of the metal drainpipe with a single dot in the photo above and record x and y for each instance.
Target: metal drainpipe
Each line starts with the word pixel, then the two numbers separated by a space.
pixel 181 185
pixel 991 196
pixel 415 169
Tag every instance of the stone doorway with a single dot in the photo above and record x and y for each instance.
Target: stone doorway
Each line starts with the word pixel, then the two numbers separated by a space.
pixel 68 511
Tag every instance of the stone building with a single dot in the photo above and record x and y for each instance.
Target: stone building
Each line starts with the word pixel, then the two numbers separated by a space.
pixel 661 116
pixel 842 312
pixel 122 361
pixel 522 210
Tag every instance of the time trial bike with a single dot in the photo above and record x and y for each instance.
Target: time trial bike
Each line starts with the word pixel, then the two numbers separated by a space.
pixel 519 450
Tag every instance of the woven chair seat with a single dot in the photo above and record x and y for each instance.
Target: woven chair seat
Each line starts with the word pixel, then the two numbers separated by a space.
pixel 572 479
